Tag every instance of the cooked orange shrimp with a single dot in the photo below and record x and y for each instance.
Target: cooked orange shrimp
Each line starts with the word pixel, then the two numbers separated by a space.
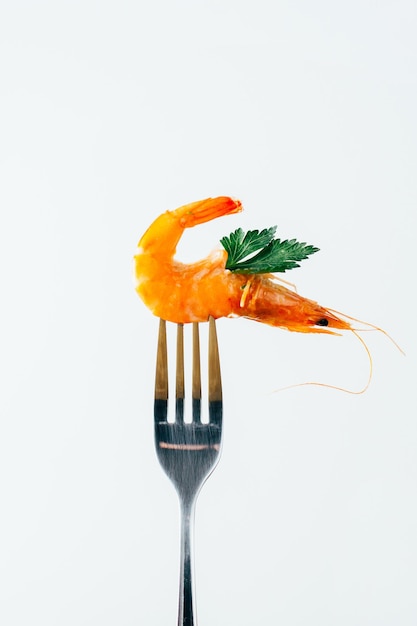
pixel 182 293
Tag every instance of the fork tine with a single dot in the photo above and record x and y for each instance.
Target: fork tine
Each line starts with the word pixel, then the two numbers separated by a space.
pixel 161 376
pixel 196 391
pixel 179 380
pixel 215 383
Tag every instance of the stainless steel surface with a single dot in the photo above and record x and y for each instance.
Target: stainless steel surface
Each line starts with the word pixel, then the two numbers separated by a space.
pixel 188 452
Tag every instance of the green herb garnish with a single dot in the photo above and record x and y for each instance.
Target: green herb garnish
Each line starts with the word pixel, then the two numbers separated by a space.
pixel 274 255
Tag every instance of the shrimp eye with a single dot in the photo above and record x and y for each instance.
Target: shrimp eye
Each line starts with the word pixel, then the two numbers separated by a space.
pixel 322 322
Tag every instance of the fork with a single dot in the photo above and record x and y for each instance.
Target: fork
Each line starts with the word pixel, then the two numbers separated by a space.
pixel 188 451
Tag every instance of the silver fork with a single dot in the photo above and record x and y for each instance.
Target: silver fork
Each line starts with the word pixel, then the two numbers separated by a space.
pixel 188 451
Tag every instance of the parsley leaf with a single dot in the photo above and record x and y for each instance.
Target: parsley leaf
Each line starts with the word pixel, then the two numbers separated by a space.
pixel 274 255
pixel 239 245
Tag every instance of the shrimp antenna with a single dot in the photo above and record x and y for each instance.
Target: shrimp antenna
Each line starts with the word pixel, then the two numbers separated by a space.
pixel 355 393
pixel 371 327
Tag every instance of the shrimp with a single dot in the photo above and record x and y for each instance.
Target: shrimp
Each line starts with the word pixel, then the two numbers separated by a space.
pixel 183 293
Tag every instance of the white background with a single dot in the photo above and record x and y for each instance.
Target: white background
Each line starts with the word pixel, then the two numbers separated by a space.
pixel 112 112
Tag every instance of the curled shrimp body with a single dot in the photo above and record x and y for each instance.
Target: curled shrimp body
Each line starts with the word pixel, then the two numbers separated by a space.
pixel 182 293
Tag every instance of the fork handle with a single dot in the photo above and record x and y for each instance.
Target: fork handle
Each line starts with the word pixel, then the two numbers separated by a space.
pixel 186 609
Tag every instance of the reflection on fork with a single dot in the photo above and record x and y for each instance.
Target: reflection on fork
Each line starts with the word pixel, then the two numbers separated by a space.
pixel 188 451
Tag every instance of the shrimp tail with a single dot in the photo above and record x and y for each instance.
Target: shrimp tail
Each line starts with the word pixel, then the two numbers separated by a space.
pixel 203 211
pixel 164 233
